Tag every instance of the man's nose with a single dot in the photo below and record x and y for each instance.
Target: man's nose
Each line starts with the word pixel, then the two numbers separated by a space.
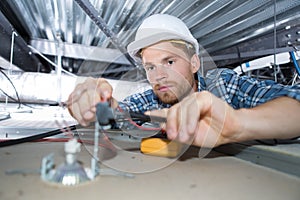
pixel 161 72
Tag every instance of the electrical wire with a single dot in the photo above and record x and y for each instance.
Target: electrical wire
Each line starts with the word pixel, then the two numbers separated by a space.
pixel 18 100
pixel 63 140
pixel 139 117
pixel 68 130
pixel 17 95
pixel 10 97
pixel 34 137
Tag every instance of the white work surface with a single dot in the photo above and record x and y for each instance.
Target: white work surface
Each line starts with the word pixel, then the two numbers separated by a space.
pixel 214 177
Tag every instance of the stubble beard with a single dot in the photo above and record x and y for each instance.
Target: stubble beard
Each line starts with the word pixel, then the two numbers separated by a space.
pixel 174 96
pixel 168 98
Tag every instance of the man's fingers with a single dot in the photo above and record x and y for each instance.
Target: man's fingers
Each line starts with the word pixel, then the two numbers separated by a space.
pixel 172 123
pixel 83 100
pixel 75 95
pixel 104 89
pixel 193 114
pixel 163 113
pixel 76 113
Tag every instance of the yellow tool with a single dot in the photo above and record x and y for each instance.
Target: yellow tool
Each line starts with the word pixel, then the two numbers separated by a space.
pixel 160 147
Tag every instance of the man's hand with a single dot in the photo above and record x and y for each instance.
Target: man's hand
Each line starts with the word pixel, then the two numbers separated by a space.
pixel 82 101
pixel 204 120
pixel 201 119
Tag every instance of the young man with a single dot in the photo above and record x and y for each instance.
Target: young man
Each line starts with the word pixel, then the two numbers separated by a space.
pixel 207 111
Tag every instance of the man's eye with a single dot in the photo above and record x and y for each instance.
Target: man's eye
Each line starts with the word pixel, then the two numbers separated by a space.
pixel 150 68
pixel 170 62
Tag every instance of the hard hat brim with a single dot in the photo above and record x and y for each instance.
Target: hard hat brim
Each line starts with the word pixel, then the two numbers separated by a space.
pixel 134 47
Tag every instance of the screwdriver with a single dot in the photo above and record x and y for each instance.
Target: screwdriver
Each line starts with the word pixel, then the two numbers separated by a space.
pixel 157 145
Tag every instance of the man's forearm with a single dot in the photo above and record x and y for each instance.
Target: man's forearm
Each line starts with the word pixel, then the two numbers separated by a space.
pixel 279 118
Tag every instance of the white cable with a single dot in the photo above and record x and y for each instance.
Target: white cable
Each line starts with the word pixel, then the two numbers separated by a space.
pixel 295 78
pixel 52 63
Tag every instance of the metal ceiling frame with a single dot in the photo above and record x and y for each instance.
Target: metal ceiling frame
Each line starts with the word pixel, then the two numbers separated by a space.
pixel 78 51
pixel 222 27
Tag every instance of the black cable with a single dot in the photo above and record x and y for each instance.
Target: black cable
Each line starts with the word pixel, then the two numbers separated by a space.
pixel 146 118
pixel 15 100
pixel 35 137
pixel 17 95
pixel 106 115
pixel 10 97
pixel 271 142
pixel 32 138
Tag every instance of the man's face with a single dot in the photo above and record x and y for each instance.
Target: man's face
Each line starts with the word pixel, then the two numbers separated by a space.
pixel 169 72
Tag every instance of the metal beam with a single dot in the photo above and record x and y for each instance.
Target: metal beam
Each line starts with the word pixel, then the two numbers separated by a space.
pixel 22 55
pixel 250 54
pixel 79 51
pixel 283 157
pixel 90 10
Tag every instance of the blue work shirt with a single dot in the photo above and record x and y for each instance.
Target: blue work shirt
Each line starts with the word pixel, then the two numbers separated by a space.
pixel 237 91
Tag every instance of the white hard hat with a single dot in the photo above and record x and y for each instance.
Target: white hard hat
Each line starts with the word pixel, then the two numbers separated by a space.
pixel 157 28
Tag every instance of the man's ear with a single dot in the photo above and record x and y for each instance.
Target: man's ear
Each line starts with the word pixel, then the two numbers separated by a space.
pixel 195 62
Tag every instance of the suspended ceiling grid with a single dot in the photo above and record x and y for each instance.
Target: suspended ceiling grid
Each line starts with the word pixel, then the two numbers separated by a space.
pixel 231 31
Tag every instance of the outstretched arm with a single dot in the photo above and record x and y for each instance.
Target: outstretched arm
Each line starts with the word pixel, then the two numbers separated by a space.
pixel 279 118
pixel 207 121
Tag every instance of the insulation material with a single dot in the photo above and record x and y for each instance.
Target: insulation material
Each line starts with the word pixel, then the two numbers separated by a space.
pixel 45 88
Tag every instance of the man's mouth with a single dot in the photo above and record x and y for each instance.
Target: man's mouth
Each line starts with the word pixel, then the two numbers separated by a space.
pixel 163 88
